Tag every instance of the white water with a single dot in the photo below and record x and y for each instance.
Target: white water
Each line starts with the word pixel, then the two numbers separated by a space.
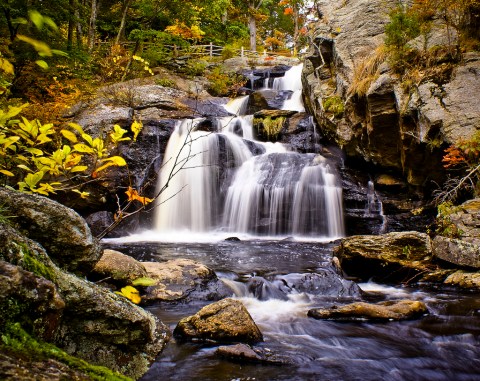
pixel 291 81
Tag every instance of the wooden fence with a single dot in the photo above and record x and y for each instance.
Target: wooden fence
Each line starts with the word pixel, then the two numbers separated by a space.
pixel 210 50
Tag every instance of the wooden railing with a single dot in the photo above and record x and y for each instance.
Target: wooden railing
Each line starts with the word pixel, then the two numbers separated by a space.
pixel 210 50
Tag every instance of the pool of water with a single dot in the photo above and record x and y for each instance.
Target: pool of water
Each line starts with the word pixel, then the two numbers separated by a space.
pixel 444 345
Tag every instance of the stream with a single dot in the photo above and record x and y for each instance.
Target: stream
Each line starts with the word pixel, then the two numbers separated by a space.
pixel 444 345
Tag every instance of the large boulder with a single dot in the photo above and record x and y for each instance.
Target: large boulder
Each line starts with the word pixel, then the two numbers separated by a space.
pixel 396 256
pixel 457 252
pixel 118 267
pixel 96 324
pixel 224 321
pixel 383 311
pixel 61 231
pixel 182 279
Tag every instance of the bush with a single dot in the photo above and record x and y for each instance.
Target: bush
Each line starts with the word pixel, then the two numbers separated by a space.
pixel 223 84
pixel 334 105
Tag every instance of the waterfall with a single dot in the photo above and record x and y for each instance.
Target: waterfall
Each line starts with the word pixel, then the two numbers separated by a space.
pixel 224 180
pixel 291 81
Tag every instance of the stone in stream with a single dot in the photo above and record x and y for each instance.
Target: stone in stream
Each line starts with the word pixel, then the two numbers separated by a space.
pixel 119 267
pixel 183 279
pixel 246 354
pixel 397 256
pixel 383 311
pixel 464 279
pixel 225 321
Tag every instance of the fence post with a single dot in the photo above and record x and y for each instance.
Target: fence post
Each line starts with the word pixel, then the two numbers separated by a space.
pixel 211 49
pixel 241 52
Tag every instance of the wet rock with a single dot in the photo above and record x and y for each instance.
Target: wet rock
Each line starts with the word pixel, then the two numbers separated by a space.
pixel 457 252
pixel 60 230
pixel 396 256
pixel 24 294
pixel 224 321
pixel 99 221
pixel 323 283
pixel 383 311
pixel 96 324
pixel 262 289
pixel 183 279
pixel 118 267
pixel 246 354
pixel 464 279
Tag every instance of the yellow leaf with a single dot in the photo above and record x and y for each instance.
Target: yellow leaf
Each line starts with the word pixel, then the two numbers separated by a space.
pixel 6 173
pixel 131 293
pixel 116 160
pixel 79 168
pixel 82 194
pixel 136 127
pixel 34 151
pixel 83 148
pixel 76 127
pixel 6 66
pixel 69 135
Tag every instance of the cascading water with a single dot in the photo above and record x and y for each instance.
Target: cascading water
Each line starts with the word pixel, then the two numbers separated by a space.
pixel 225 180
pixel 291 82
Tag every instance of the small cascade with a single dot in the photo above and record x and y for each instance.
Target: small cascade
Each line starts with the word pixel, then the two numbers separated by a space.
pixel 291 81
pixel 237 106
pixel 374 206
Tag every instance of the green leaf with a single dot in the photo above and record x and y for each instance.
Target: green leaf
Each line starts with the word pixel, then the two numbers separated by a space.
pixel 59 53
pixel 144 282
pixel 42 64
pixel 41 47
pixel 32 179
pixel 36 18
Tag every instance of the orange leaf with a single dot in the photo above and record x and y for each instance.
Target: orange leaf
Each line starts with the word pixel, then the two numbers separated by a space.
pixel 133 195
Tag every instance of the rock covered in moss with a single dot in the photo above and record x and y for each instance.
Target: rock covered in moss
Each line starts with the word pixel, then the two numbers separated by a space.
pixel 119 267
pixel 396 256
pixel 224 321
pixel 389 310
pixel 180 279
pixel 60 230
pixel 466 219
pixel 24 294
pixel 96 325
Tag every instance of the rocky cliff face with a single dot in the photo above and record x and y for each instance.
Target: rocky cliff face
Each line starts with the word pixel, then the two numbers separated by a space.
pixel 400 129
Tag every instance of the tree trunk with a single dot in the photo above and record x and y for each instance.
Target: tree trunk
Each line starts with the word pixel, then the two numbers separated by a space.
pixel 71 23
pixel 92 25
pixel 121 30
pixel 252 25
pixel 78 27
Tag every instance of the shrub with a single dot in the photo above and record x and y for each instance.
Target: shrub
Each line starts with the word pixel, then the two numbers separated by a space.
pixel 334 105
